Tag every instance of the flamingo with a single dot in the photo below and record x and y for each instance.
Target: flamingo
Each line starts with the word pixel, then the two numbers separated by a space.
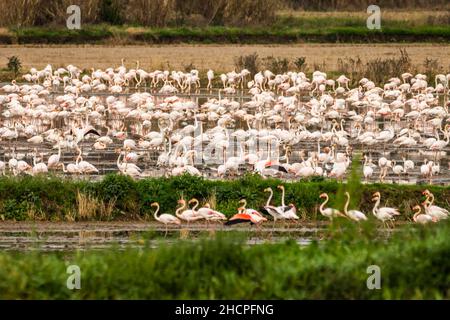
pixel 436 212
pixel 421 218
pixel 53 160
pixel 368 168
pixel 246 216
pixel 40 167
pixel 216 215
pixel 187 215
pixel 273 211
pixel 249 210
pixel 330 213
pixel 283 207
pixel 206 212
pixel 355 215
pixel 84 166
pixel 164 218
pixel 291 213
pixel 210 76
pixel 385 213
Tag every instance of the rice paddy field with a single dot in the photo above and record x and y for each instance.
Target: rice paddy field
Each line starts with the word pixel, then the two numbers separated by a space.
pixel 216 150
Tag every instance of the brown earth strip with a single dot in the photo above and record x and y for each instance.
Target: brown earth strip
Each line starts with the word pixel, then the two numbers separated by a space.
pixel 217 57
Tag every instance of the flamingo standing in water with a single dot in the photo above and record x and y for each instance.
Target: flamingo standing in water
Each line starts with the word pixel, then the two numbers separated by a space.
pixel 330 213
pixel 353 214
pixel 288 212
pixel 385 213
pixel 164 218
pixel 187 215
pixel 273 211
pixel 206 212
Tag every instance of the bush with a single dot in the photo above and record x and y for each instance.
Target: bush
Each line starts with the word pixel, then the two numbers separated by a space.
pixel 14 65
pixel 378 70
pixel 300 64
pixel 250 62
pixel 54 198
pixel 277 65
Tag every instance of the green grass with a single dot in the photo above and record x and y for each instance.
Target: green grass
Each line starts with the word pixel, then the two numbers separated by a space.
pixel 316 30
pixel 54 198
pixel 414 264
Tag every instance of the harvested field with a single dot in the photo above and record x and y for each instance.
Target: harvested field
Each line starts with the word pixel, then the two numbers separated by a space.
pixel 205 56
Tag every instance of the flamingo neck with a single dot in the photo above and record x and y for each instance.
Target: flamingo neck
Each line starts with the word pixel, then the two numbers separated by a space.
pixel 118 160
pixel 282 197
pixel 430 199
pixel 177 212
pixel 196 205
pixel 270 197
pixel 347 203
pixel 416 214
pixel 155 214
pixel 79 158
pixel 375 207
pixel 321 208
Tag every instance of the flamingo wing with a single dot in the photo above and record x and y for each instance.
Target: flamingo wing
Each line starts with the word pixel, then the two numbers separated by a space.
pixel 277 167
pixel 93 131
pixel 239 218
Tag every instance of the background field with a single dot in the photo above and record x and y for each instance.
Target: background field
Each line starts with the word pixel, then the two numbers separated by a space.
pixel 237 21
pixel 217 57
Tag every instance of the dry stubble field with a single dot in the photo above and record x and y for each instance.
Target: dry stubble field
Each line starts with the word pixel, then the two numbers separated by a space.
pixel 217 57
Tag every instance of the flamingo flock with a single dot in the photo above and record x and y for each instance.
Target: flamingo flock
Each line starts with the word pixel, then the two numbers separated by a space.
pixel 386 215
pixel 144 123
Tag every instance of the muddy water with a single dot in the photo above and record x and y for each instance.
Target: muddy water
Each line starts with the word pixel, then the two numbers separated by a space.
pixel 67 236
pixel 48 236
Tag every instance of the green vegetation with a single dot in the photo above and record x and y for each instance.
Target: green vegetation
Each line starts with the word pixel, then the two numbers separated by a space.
pixel 117 197
pixel 222 21
pixel 102 34
pixel 414 264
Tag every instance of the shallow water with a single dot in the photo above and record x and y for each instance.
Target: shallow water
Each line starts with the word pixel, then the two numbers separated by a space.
pixel 66 236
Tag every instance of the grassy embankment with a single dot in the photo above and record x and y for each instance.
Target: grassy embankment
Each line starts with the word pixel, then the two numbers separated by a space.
pixel 121 198
pixel 414 264
pixel 287 27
